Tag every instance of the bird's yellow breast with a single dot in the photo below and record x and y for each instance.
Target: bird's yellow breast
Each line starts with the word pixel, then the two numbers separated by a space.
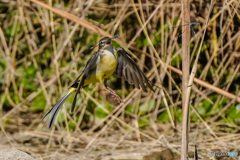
pixel 107 64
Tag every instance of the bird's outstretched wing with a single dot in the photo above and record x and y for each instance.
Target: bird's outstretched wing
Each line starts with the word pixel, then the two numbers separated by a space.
pixel 89 68
pixel 129 71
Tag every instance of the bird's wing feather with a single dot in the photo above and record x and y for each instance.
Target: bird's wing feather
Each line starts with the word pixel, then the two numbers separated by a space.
pixel 129 71
pixel 89 68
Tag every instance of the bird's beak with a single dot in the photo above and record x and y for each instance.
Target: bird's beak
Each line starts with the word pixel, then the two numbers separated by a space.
pixel 108 42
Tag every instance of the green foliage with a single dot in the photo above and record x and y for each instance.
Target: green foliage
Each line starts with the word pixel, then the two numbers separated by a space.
pixel 176 60
pixel 71 125
pixel 29 74
pixel 130 109
pixel 38 103
pixel 13 96
pixel 100 113
pixel 7 121
pixel 22 46
pixel 147 107
pixel 141 41
pixel 115 44
pixel 143 122
pixel 45 57
pixel 234 112
pixel 178 114
pixel 206 109
pixel 2 68
pixel 94 38
pixel 61 115
pixel 11 30
pixel 30 71
pixel 163 117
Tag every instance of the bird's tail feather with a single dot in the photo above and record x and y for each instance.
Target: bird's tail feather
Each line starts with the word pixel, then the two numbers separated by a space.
pixel 55 109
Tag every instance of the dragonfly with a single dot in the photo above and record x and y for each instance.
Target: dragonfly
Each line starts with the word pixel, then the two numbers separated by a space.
pixel 189 24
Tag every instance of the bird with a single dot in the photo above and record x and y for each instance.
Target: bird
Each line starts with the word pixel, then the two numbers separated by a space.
pixel 106 61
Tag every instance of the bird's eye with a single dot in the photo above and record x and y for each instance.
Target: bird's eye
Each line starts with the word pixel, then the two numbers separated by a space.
pixel 102 42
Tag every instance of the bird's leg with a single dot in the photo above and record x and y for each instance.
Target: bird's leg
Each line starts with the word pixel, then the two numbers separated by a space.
pixel 113 93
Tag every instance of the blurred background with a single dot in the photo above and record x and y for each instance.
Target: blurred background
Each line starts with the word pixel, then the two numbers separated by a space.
pixel 41 53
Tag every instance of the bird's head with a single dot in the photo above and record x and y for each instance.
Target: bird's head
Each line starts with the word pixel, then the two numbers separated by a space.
pixel 105 42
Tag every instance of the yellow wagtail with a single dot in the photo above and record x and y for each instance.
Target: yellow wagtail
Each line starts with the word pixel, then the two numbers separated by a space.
pixel 102 64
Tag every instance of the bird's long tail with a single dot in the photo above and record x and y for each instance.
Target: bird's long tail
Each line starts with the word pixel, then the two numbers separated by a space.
pixel 55 109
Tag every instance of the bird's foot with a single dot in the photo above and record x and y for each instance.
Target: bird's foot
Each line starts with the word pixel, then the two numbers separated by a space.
pixel 114 94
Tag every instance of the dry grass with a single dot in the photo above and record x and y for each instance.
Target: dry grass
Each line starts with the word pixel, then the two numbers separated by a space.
pixel 42 50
